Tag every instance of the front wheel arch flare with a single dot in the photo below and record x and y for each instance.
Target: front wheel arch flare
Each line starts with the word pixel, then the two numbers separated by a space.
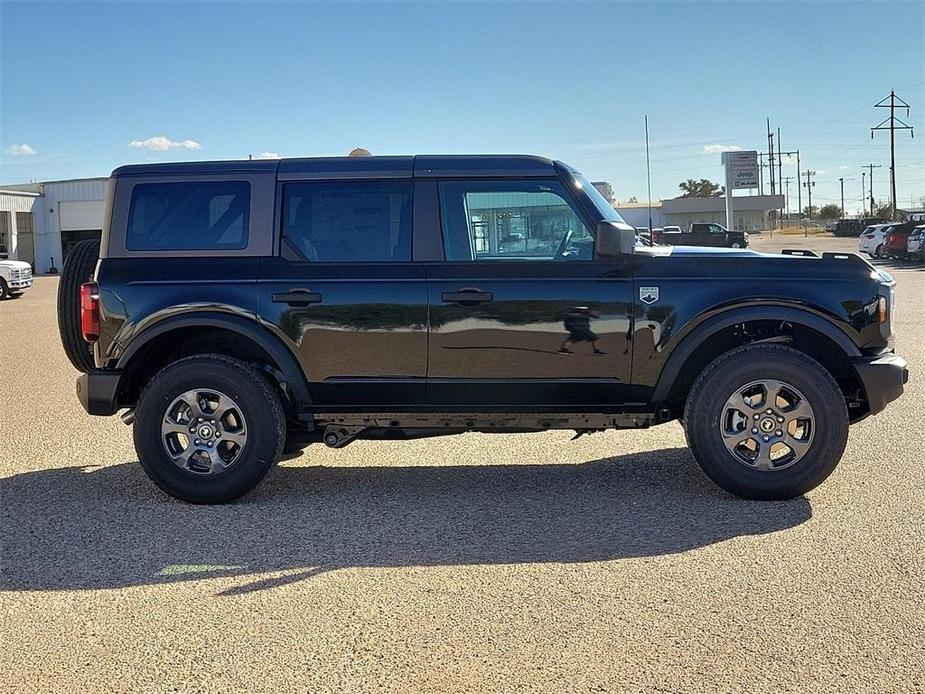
pixel 689 344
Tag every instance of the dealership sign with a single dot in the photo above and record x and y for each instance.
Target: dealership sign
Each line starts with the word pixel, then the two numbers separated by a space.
pixel 741 169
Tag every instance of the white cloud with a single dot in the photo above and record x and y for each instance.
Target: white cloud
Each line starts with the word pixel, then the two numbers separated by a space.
pixel 162 143
pixel 717 149
pixel 22 150
pixel 268 155
pixel 820 172
pixel 842 167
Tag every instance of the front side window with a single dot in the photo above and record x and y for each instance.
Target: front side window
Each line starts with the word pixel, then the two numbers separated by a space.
pixel 210 216
pixel 511 220
pixel 349 222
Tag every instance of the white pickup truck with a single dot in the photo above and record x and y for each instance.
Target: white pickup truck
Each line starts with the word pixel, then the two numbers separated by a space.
pixel 15 276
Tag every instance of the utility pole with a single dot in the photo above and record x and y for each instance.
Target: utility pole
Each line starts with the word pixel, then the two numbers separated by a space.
pixel 649 177
pixel 786 182
pixel 809 189
pixel 891 125
pixel 842 181
pixel 771 156
pixel 870 185
pixel 863 194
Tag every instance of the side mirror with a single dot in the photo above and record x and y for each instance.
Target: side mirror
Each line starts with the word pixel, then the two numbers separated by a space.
pixel 614 239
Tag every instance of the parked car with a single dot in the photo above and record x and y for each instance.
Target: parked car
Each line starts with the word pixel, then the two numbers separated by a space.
pixel 15 276
pixel 702 234
pixel 854 227
pixel 237 310
pixel 915 248
pixel 896 240
pixel 871 241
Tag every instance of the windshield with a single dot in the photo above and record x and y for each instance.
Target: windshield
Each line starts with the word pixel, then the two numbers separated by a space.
pixel 608 214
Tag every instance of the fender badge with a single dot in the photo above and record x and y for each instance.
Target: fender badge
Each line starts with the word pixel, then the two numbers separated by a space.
pixel 648 295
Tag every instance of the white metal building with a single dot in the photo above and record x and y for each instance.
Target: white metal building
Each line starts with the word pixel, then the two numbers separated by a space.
pixel 39 222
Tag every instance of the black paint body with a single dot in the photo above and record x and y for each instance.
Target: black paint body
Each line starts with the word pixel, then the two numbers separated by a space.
pixel 383 336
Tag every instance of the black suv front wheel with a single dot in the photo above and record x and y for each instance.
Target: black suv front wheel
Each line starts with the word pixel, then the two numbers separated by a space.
pixel 208 428
pixel 766 421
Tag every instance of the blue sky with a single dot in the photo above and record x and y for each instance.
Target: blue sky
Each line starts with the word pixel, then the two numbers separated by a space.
pixel 86 87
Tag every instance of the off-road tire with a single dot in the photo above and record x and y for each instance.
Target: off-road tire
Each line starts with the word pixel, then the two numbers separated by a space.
pixel 736 369
pixel 259 403
pixel 78 268
pixel 4 290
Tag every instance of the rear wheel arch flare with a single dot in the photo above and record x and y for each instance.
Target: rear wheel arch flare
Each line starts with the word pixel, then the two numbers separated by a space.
pixel 239 330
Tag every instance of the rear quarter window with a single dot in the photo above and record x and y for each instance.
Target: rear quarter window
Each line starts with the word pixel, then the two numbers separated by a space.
pixel 189 216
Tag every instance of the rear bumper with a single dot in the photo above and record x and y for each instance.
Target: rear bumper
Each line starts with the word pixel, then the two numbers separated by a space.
pixel 98 392
pixel 883 378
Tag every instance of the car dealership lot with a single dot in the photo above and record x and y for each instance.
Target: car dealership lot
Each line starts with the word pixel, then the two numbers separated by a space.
pixel 476 562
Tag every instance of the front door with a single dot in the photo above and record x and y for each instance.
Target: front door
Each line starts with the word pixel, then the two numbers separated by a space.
pixel 521 313
pixel 345 295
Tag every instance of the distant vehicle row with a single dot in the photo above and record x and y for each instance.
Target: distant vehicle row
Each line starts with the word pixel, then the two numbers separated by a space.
pixel 897 240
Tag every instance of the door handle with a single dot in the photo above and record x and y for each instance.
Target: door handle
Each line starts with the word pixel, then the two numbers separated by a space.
pixel 297 297
pixel 468 297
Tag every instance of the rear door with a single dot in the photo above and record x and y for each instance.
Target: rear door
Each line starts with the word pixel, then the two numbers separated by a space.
pixel 521 313
pixel 344 293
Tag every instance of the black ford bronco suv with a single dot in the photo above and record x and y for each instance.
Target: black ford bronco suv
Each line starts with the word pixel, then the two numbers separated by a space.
pixel 240 310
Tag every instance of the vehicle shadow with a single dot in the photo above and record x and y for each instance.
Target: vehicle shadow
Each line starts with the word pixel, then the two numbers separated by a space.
pixel 108 527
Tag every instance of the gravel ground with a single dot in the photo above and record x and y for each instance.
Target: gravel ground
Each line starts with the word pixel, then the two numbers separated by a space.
pixel 470 563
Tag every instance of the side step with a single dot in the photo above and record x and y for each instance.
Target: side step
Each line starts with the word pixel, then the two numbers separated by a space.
pixel 342 428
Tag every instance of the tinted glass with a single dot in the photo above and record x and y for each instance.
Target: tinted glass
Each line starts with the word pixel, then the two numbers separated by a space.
pixel 511 220
pixel 209 216
pixel 349 222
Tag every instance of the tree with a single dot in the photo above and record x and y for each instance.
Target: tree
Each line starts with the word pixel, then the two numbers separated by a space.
pixel 830 211
pixel 632 200
pixel 810 212
pixel 700 189
pixel 882 210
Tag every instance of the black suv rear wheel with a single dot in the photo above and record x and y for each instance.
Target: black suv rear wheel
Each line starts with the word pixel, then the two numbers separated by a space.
pixel 766 422
pixel 208 428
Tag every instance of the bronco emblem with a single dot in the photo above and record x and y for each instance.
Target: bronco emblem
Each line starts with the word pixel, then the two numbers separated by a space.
pixel 648 295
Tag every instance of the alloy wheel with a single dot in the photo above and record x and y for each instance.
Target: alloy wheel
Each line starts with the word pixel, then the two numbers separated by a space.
pixel 767 425
pixel 203 431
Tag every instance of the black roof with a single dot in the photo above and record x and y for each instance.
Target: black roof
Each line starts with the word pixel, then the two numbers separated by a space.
pixel 422 166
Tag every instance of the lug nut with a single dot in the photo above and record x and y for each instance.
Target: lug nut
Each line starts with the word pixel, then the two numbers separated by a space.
pixel 766 438
pixel 778 433
pixel 756 416
pixel 754 430
pixel 769 411
pixel 197 442
pixel 780 419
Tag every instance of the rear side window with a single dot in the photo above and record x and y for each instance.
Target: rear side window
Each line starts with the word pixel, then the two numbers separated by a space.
pixel 210 216
pixel 349 222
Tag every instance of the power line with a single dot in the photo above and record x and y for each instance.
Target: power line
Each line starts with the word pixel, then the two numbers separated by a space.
pixel 894 101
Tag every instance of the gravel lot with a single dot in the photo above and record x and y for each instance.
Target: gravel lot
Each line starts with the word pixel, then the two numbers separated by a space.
pixel 478 563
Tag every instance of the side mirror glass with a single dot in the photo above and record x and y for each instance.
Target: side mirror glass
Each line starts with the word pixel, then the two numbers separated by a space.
pixel 614 239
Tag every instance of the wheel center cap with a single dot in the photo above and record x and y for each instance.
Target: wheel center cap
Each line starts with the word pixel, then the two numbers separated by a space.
pixel 767 425
pixel 205 432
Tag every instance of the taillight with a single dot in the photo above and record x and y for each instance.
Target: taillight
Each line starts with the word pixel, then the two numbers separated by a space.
pixel 90 311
